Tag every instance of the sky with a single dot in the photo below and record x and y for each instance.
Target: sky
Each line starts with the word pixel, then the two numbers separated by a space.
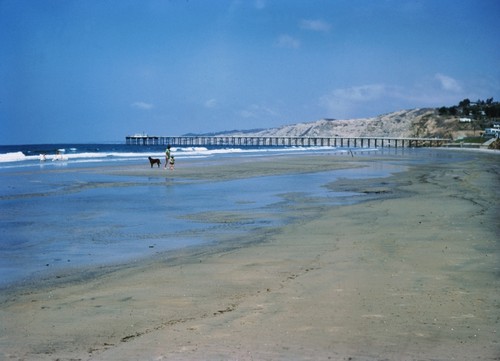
pixel 78 71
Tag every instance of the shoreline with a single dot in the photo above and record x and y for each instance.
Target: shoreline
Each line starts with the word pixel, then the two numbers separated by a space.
pixel 413 269
pixel 136 179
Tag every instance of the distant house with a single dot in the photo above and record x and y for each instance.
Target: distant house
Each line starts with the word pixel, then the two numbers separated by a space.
pixel 492 132
pixel 496 124
pixel 465 120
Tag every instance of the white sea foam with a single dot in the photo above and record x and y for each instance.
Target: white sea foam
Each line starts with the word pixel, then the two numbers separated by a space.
pixel 12 157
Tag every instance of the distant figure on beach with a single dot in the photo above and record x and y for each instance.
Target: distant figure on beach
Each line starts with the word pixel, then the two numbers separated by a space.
pixel 172 162
pixel 58 156
pixel 43 158
pixel 167 156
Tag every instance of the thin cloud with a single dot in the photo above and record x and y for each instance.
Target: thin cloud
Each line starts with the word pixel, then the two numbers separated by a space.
pixel 369 99
pixel 287 41
pixel 211 103
pixel 343 102
pixel 315 25
pixel 142 105
pixel 360 93
pixel 258 111
pixel 448 83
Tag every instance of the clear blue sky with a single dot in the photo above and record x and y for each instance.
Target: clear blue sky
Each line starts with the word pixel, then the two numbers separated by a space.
pixel 97 70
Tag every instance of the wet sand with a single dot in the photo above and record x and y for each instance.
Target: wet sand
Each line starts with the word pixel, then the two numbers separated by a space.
pixel 412 274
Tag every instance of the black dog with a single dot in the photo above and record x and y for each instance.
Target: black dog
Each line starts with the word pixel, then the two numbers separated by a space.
pixel 154 161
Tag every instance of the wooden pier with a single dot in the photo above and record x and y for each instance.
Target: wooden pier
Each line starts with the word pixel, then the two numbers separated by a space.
pixel 244 141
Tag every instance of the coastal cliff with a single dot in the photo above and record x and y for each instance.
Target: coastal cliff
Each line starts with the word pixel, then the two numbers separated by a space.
pixel 424 122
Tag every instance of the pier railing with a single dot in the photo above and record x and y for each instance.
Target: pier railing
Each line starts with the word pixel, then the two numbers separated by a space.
pixel 243 141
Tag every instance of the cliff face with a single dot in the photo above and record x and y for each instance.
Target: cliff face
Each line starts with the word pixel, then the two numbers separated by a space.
pixel 424 123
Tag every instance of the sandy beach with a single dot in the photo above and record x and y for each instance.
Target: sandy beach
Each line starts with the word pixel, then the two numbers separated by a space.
pixel 412 273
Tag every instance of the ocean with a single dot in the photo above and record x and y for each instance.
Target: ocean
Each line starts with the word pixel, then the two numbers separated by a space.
pixel 66 212
pixel 15 156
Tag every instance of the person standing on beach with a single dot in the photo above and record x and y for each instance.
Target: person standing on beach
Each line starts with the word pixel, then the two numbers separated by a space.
pixel 167 156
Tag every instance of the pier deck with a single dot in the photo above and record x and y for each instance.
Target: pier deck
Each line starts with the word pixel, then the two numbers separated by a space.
pixel 242 141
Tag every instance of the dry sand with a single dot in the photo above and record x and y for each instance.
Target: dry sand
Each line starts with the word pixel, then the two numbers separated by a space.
pixel 410 275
